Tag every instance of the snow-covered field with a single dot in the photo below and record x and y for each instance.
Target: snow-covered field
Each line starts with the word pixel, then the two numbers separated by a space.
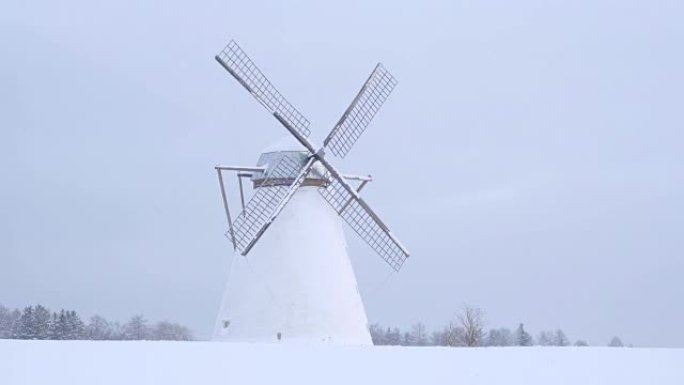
pixel 88 362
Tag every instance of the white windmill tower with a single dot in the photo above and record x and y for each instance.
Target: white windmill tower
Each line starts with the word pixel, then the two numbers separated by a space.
pixel 298 283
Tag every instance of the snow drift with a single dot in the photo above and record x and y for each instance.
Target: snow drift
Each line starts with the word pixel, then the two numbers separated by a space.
pixel 168 363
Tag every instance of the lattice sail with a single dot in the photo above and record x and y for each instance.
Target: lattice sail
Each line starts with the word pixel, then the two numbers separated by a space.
pixel 238 64
pixel 361 111
pixel 267 202
pixel 270 199
pixel 359 216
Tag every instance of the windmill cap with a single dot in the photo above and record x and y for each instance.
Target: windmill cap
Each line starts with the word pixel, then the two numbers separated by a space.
pixel 282 167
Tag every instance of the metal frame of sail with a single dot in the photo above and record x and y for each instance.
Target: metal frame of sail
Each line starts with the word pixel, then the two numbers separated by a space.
pixel 260 87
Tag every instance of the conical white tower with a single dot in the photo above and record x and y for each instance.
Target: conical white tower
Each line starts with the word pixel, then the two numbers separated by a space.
pixel 297 283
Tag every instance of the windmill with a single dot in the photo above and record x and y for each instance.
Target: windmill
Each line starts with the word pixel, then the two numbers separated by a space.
pixel 298 283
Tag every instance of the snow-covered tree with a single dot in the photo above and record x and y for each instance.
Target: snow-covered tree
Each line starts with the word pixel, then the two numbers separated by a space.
pixel 66 325
pixel 38 323
pixel 55 331
pixel 581 343
pixel 522 338
pixel 75 328
pixel 58 326
pixel 393 336
pixel 25 329
pixel 499 337
pixel 8 321
pixel 553 338
pixel 98 329
pixel 545 338
pixel 117 331
pixel 136 329
pixel 4 317
pixel 168 331
pixel 377 334
pixel 615 342
pixel 407 339
pixel 41 322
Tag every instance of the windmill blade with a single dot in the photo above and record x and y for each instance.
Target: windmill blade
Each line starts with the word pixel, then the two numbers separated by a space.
pixel 267 202
pixel 361 218
pixel 238 64
pixel 361 111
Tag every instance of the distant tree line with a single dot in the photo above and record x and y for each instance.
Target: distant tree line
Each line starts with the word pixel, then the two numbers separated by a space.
pixel 39 323
pixel 468 329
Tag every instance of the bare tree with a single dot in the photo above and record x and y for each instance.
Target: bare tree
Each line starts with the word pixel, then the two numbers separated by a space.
pixel 560 339
pixel 419 334
pixel 168 331
pixel 471 320
pixel 393 336
pixel 407 339
pixel 98 329
pixel 453 335
pixel 545 338
pixel 438 338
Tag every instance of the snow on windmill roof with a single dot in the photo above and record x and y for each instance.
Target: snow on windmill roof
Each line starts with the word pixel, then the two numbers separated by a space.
pixel 287 149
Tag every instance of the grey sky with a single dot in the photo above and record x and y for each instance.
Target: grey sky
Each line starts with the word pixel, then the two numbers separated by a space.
pixel 530 157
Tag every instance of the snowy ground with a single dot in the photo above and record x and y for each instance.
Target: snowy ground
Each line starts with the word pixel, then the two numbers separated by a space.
pixel 86 362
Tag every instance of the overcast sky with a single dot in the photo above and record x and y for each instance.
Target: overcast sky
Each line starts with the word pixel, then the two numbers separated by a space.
pixel 530 157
